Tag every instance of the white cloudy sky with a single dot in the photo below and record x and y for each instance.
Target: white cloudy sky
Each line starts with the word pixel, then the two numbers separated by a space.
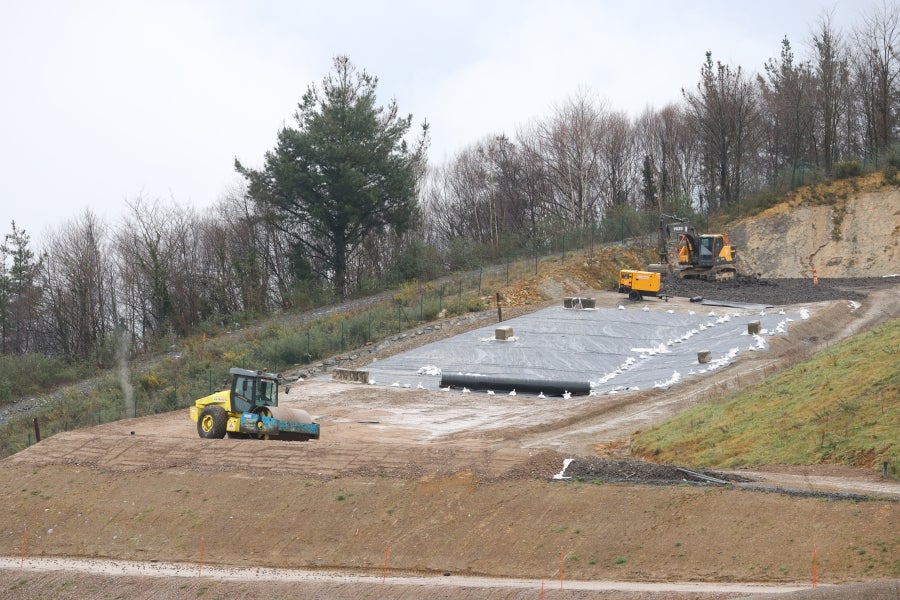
pixel 104 101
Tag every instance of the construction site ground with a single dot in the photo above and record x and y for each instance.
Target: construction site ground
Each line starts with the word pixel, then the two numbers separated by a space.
pixel 422 493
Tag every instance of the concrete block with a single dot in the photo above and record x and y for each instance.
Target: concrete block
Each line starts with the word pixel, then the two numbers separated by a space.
pixel 753 327
pixel 350 375
pixel 576 302
pixel 704 356
pixel 503 333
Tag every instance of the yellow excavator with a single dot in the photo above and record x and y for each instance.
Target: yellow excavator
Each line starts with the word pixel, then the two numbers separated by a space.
pixel 708 256
pixel 249 409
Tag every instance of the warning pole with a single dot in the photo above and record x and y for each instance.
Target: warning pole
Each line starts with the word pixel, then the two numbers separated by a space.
pixel 387 551
pixel 562 568
pixel 200 566
pixel 815 277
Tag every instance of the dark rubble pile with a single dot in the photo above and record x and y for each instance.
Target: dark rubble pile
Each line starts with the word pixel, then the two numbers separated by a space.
pixel 777 292
pixel 600 470
pixel 633 471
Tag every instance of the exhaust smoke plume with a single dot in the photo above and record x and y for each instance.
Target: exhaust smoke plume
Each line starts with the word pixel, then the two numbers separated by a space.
pixel 124 379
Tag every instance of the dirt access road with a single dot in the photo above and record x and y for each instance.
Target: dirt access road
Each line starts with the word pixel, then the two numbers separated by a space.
pixel 406 482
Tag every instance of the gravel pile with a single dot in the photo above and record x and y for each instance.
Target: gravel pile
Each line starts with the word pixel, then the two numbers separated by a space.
pixel 778 292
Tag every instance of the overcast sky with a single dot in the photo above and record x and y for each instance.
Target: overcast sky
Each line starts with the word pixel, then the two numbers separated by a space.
pixel 105 101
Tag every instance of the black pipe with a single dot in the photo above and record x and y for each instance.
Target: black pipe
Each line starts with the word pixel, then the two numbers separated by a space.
pixel 549 387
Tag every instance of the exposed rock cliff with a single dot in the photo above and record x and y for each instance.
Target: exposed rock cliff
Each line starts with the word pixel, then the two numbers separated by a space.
pixel 843 229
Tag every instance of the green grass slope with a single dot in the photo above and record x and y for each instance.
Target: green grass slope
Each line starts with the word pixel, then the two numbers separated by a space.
pixel 840 407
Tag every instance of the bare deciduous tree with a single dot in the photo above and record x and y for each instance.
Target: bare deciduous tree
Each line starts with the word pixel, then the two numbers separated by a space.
pixel 618 161
pixel 877 66
pixel 724 112
pixel 78 283
pixel 569 146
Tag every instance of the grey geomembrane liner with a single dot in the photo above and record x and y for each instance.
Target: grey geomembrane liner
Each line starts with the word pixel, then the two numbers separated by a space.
pixel 613 349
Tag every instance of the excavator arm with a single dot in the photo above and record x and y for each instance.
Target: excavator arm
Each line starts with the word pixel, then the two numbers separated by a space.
pixel 687 247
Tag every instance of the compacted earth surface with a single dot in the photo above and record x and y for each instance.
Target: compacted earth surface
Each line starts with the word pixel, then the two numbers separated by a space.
pixel 418 493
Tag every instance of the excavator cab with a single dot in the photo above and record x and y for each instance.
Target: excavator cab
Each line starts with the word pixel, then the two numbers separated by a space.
pixel 710 246
pixel 715 250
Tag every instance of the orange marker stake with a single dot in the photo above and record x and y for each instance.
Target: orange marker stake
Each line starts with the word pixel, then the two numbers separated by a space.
pixel 815 277
pixel 562 568
pixel 542 589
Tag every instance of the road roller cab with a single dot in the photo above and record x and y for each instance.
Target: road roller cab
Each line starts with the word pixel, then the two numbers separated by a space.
pixel 250 409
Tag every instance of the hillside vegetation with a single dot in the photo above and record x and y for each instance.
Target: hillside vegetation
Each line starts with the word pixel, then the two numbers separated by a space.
pixel 840 407
pixel 296 343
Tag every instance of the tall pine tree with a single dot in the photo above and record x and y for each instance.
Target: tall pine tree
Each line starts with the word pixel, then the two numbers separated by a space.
pixel 344 174
pixel 18 293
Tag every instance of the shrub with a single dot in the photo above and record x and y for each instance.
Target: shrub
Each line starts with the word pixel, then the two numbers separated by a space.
pixel 847 169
